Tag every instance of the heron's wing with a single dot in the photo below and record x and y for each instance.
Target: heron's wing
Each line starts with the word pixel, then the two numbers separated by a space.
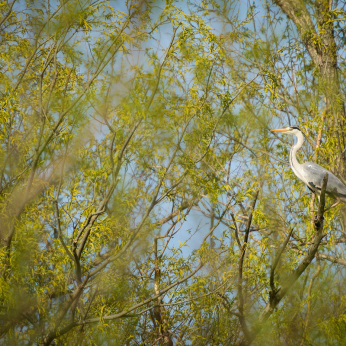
pixel 314 175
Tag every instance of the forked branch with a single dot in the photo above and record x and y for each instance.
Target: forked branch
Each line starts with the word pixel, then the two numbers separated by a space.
pixel 276 297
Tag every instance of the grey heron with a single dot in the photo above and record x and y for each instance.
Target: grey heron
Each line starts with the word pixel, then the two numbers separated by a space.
pixel 312 174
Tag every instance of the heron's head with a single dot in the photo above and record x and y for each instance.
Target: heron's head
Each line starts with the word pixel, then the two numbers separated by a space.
pixel 291 130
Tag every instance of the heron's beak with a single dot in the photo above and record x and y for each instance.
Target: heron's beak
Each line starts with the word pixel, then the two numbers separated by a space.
pixel 280 130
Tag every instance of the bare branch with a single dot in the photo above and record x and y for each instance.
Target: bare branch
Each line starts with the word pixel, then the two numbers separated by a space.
pixel 276 261
pixel 240 270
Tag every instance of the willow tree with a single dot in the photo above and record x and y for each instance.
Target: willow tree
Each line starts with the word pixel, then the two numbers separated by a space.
pixel 108 140
pixel 133 130
pixel 297 49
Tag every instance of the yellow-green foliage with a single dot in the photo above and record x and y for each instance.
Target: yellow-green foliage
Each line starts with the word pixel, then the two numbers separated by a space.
pixel 134 136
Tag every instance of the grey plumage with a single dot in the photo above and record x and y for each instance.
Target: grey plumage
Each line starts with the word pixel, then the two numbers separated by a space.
pixel 311 173
pixel 314 174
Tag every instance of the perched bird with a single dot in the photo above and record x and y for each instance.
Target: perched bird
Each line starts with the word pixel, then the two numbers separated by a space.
pixel 312 174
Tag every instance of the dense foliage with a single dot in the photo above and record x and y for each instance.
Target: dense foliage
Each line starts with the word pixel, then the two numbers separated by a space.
pixel 143 198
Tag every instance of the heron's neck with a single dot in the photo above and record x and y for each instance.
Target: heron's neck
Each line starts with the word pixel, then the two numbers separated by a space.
pixel 293 158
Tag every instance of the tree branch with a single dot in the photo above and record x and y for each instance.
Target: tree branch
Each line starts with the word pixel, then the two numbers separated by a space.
pixel 59 332
pixel 240 271
pixel 276 261
pixel 275 299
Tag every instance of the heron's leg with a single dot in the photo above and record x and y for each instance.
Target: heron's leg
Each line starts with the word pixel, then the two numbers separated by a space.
pixel 318 197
